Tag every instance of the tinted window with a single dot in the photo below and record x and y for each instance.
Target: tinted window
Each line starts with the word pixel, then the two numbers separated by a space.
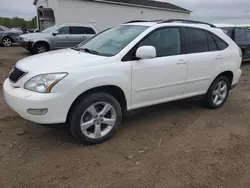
pixel 228 31
pixel 221 45
pixel 248 35
pixel 240 35
pixel 166 42
pixel 196 40
pixel 81 30
pixel 211 43
pixel 63 31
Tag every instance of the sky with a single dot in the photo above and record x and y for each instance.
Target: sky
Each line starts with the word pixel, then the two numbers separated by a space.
pixel 214 11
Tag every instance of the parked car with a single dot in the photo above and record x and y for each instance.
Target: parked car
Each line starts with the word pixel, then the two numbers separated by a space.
pixel 56 37
pixel 90 86
pixel 7 36
pixel 241 35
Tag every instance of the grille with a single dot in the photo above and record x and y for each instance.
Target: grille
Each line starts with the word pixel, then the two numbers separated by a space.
pixel 16 74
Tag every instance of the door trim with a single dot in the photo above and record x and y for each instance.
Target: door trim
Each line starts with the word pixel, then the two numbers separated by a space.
pixel 170 85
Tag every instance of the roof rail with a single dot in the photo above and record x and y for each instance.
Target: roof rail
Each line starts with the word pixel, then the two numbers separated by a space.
pixel 187 21
pixel 134 21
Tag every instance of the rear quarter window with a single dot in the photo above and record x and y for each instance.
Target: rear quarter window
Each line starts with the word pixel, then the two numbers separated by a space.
pixel 221 45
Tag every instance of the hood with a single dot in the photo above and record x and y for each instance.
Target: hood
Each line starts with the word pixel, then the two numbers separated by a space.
pixel 56 61
pixel 10 32
pixel 34 35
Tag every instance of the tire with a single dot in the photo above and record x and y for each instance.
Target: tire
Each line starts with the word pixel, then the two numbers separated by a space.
pixel 213 91
pixel 7 41
pixel 83 113
pixel 40 47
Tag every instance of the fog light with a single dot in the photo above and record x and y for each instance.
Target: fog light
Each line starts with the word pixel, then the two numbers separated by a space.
pixel 37 112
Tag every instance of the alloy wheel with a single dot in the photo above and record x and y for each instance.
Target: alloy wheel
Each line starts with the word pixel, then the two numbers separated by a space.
pixel 220 93
pixel 7 42
pixel 98 120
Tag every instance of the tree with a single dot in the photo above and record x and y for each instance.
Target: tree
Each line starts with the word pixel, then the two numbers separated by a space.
pixel 18 22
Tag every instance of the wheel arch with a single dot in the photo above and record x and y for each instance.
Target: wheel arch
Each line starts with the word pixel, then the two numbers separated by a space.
pixel 229 74
pixel 42 41
pixel 8 36
pixel 113 90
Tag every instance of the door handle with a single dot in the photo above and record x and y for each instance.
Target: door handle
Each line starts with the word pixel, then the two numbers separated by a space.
pixel 218 57
pixel 181 62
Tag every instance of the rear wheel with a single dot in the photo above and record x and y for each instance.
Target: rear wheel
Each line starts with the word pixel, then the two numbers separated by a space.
pixel 7 42
pixel 95 118
pixel 217 93
pixel 40 47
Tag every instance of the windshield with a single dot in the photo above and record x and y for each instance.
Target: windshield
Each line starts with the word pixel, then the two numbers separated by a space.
pixel 2 28
pixel 111 41
pixel 50 29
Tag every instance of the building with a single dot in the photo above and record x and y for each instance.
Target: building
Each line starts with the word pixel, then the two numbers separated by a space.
pixel 104 13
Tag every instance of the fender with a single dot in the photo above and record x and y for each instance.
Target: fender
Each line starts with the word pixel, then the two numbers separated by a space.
pixel 41 40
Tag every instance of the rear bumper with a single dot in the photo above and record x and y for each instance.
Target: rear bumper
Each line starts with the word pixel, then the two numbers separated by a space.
pixel 237 76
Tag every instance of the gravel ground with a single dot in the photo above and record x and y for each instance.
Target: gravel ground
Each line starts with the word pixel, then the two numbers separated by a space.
pixel 179 144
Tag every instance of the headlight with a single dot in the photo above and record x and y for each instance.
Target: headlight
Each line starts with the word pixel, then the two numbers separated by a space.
pixel 27 39
pixel 44 83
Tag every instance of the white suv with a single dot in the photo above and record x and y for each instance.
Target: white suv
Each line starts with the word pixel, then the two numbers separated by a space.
pixel 129 66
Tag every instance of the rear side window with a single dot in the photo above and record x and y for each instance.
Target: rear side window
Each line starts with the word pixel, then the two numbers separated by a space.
pixel 240 35
pixel 81 30
pixel 221 45
pixel 196 40
pixel 248 35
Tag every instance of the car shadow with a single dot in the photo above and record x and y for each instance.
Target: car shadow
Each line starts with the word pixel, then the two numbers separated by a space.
pixel 59 132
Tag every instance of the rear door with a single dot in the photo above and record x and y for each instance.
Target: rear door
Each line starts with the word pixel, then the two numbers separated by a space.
pixel 79 34
pixel 203 55
pixel 62 39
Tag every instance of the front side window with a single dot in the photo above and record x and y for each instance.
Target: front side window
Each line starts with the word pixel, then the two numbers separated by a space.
pixel 196 40
pixel 112 41
pixel 166 41
pixel 63 31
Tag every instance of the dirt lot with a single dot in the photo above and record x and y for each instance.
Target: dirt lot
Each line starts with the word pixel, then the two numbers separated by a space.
pixel 178 144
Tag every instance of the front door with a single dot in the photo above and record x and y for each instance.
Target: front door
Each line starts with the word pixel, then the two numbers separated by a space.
pixel 162 78
pixel 62 39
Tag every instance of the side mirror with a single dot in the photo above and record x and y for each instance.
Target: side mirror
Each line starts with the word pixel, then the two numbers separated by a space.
pixel 55 33
pixel 145 52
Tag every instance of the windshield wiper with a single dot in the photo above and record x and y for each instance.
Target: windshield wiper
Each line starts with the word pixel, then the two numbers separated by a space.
pixel 90 51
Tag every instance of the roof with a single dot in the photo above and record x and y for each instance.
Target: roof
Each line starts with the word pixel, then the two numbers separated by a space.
pixel 143 3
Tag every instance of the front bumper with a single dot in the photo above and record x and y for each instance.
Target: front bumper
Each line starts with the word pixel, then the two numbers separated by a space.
pixel 26 45
pixel 20 100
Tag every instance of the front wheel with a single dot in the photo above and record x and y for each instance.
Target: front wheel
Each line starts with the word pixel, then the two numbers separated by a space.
pixel 40 47
pixel 217 93
pixel 95 118
pixel 7 42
